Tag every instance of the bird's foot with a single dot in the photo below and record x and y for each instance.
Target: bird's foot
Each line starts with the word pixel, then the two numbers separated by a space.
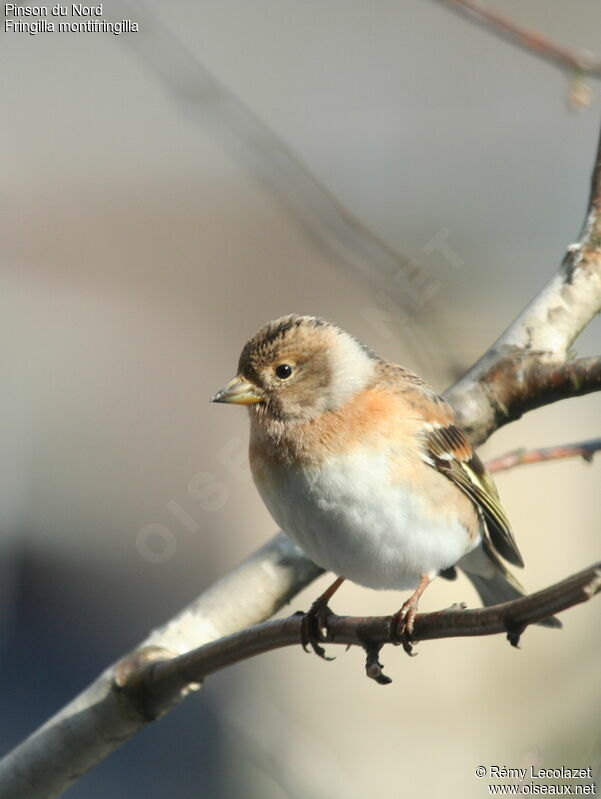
pixel 402 624
pixel 314 628
pixel 314 624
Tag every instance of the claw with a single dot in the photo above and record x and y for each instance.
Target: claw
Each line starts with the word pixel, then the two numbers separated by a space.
pixel 373 667
pixel 314 624
pixel 514 633
pixel 314 627
pixel 400 633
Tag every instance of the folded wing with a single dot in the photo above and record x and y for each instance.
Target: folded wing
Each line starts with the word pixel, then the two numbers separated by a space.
pixel 447 450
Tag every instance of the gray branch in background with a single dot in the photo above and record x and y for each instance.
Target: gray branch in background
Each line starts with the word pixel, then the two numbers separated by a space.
pixel 201 96
pixel 568 58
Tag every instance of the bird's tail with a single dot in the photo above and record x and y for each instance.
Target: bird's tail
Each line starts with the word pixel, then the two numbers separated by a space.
pixel 493 581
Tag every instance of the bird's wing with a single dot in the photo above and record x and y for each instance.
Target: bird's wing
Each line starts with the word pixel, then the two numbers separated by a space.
pixel 447 449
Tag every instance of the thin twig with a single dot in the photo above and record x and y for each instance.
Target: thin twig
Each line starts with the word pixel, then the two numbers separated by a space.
pixel 520 457
pixel 148 687
pixel 203 98
pixel 528 39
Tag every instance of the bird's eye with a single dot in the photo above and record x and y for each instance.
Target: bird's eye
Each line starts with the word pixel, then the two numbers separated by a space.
pixel 283 371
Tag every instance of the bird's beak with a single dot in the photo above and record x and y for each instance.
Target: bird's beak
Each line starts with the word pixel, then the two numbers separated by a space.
pixel 239 392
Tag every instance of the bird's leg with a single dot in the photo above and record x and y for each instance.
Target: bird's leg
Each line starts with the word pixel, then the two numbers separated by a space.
pixel 315 620
pixel 402 622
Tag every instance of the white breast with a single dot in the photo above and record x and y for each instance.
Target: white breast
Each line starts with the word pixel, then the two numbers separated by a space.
pixel 350 519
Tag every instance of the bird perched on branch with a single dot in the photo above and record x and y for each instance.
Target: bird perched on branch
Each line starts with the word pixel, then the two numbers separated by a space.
pixel 363 465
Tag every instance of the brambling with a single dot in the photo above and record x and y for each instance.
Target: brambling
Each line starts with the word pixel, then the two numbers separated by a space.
pixel 364 466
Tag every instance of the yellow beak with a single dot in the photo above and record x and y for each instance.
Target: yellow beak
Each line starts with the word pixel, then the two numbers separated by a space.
pixel 239 392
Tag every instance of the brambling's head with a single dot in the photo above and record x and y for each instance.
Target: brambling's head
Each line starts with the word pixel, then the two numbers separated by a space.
pixel 298 367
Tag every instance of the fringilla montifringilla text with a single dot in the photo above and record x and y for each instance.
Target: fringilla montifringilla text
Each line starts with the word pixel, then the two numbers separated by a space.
pixel 363 465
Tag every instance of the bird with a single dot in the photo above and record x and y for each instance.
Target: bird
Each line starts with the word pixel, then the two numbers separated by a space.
pixel 362 464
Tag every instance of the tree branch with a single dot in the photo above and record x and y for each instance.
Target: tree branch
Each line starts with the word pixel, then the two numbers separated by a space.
pixel 529 365
pixel 522 381
pixel 148 687
pixel 520 457
pixel 579 60
pixel 100 719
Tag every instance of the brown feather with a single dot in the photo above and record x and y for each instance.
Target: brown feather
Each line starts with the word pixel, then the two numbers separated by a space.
pixel 448 451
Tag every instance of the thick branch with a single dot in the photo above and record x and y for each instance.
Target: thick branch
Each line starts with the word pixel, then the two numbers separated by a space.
pixel 148 687
pixel 517 383
pixel 579 60
pixel 97 721
pixel 521 457
pixel 529 366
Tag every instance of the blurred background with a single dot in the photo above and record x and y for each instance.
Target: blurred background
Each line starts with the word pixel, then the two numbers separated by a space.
pixel 164 194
